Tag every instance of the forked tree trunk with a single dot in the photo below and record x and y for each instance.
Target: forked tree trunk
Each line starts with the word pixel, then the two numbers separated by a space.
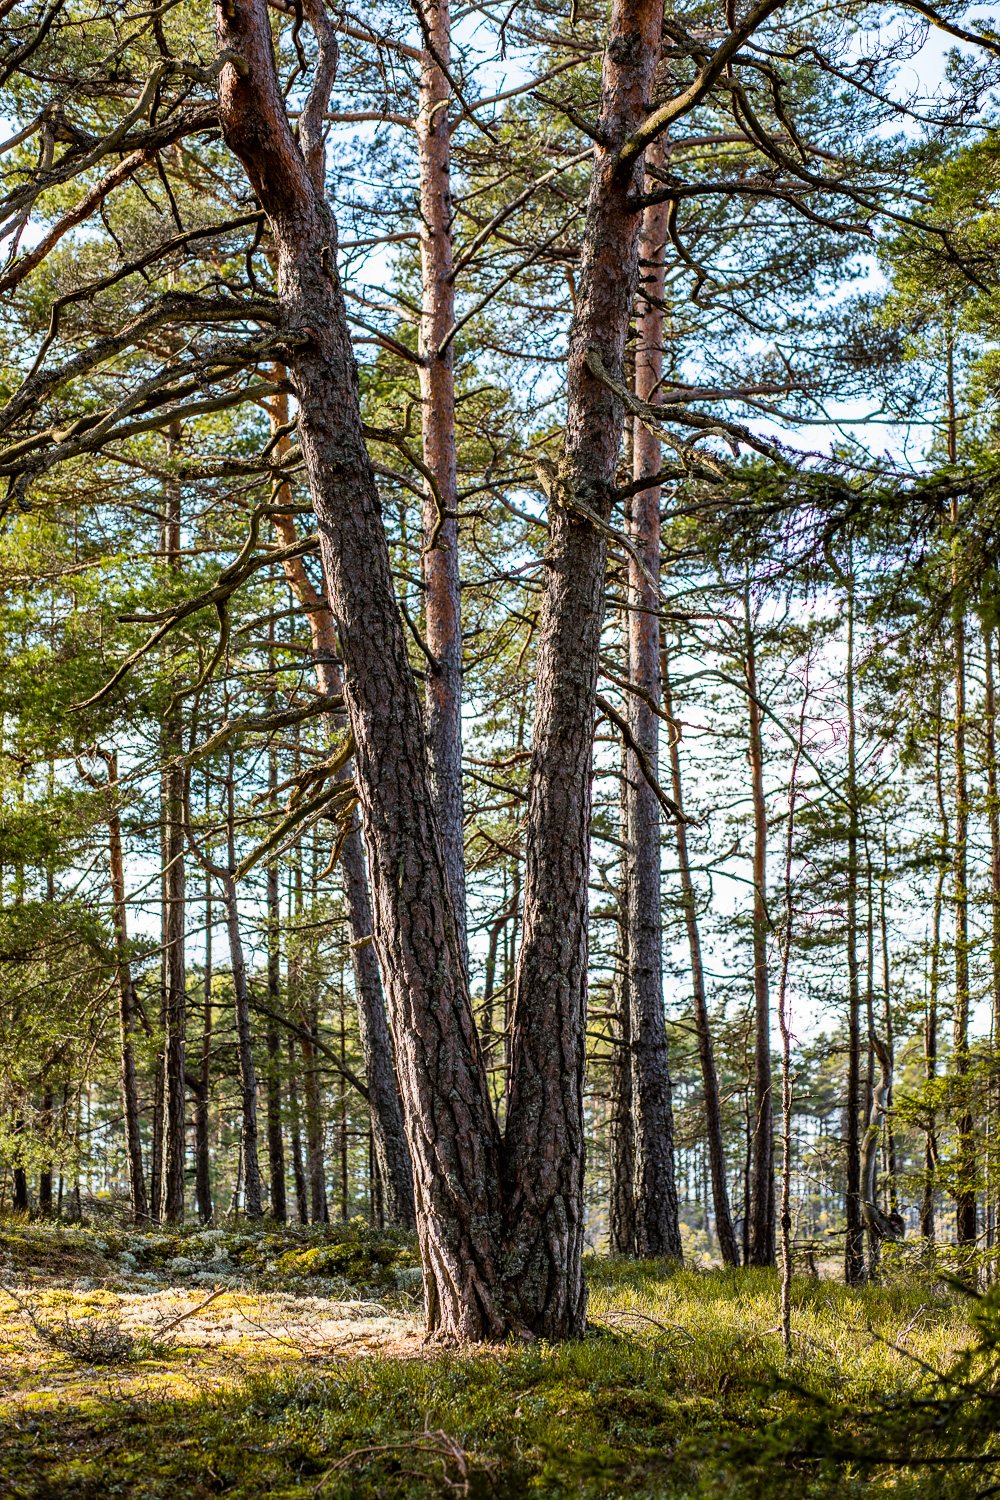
pixel 452 1133
pixel 706 1051
pixel 439 562
pixel 657 1228
pixel 761 1241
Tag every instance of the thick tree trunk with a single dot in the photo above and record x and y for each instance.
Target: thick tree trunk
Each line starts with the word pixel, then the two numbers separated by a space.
pixel 706 1052
pixel 545 1139
pixel 761 1243
pixel 621 1143
pixel 854 1254
pixel 452 1133
pixel 657 1227
pixel 439 562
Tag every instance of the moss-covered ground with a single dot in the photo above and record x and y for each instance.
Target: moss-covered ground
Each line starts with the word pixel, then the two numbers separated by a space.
pixel 307 1374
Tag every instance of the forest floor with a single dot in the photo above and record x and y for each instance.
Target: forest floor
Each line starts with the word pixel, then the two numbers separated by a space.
pixel 300 1369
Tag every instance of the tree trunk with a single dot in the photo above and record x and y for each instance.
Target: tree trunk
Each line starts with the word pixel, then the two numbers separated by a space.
pixel 298 1168
pixel 314 1127
pixel 202 1158
pixel 439 561
pixel 761 1244
pixel 452 1133
pixel 391 1149
pixel 657 1228
pixel 706 1051
pixel 275 1137
pixel 621 1225
pixel 993 816
pixel 854 1255
pixel 965 1191
pixel 126 1004
pixel 175 1029
pixel 244 1033
pixel 545 1138
pixel 45 1176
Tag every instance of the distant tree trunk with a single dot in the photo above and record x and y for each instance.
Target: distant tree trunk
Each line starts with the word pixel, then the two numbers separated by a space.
pixel 854 1255
pixel 202 1156
pixel 761 1244
pixel 275 1136
pixel 298 1169
pixel 244 1032
pixel 126 1003
pixel 965 1190
pixel 890 1138
pixel 657 1227
pixel 439 560
pixel 621 1226
pixel 993 816
pixel 175 1015
pixel 314 1128
pixel 931 1020
pixel 391 1148
pixel 728 1247
pixel 45 1176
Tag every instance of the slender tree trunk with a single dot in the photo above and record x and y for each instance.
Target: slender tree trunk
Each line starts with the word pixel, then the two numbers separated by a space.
pixel 657 1227
pixel 391 1148
pixel 965 1192
pixel 854 1255
pixel 439 561
pixel 202 1157
pixel 298 1167
pixel 993 816
pixel 314 1127
pixel 275 1136
pixel 621 1142
pixel 762 1173
pixel 126 1004
pixel 45 1176
pixel 706 1052
pixel 175 1031
pixel 889 1030
pixel 931 1020
pixel 244 1032
pixel 784 1027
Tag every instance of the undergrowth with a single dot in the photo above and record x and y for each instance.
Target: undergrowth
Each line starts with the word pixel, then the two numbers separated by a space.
pixel 679 1390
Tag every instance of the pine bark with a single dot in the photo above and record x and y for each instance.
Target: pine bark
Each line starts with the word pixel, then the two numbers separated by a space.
pixel 545 1139
pixel 439 561
pixel 993 816
pixel 657 1226
pixel 621 1143
pixel 202 1157
pixel 965 1193
pixel 452 1133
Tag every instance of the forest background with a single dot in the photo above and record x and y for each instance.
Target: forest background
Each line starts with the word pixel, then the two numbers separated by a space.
pixel 784 694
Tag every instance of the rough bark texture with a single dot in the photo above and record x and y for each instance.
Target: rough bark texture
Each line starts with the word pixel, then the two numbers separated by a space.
pixel 993 815
pixel 450 1124
pixel 706 1051
pixel 657 1228
pixel 389 1136
pixel 761 1245
pixel 442 592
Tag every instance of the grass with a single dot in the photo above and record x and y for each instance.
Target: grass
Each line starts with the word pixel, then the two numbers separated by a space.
pixel 679 1390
